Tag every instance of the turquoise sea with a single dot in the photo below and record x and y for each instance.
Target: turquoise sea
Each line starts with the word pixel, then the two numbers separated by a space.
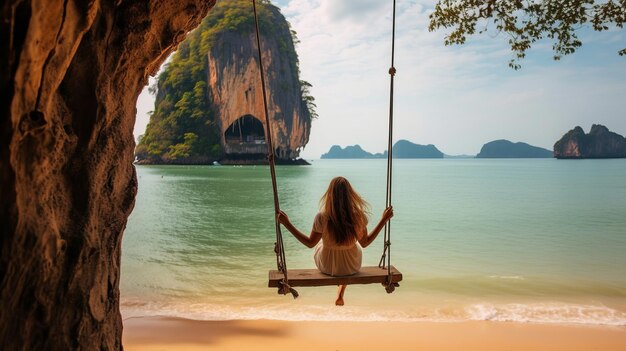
pixel 524 240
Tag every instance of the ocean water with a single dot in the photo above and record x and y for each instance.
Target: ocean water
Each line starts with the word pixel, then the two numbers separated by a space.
pixel 530 240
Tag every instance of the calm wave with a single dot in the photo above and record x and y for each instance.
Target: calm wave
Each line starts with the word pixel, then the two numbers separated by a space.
pixel 505 240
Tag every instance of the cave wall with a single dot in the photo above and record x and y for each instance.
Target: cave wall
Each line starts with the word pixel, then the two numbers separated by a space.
pixel 70 75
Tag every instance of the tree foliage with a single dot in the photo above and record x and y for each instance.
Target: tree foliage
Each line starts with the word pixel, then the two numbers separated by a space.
pixel 181 125
pixel 528 21
pixel 308 100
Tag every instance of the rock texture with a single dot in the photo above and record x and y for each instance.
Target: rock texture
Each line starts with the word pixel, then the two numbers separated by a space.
pixel 70 75
pixel 599 143
pixel 235 86
pixel 506 149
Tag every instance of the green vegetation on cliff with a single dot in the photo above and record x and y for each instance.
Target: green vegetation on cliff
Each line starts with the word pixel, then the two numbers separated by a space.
pixel 182 128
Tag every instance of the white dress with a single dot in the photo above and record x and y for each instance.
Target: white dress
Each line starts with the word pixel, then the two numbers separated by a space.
pixel 332 258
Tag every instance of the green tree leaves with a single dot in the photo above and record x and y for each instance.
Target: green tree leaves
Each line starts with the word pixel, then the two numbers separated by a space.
pixel 526 22
pixel 307 99
pixel 183 149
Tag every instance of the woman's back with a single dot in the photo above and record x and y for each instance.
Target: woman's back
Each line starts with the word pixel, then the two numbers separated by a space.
pixel 335 258
pixel 341 222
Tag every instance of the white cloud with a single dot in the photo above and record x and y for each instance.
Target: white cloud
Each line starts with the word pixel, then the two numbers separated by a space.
pixel 145 106
pixel 455 97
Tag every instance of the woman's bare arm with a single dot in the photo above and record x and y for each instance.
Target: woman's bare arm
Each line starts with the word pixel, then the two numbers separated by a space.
pixel 308 241
pixel 367 239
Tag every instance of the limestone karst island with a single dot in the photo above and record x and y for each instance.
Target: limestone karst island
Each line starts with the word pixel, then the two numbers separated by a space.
pixel 506 149
pixel 401 149
pixel 598 143
pixel 209 101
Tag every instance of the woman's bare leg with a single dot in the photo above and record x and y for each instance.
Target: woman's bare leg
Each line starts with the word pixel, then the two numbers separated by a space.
pixel 341 289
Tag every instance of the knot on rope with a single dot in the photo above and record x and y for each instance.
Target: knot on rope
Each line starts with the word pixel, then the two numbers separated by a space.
pixel 389 288
pixel 276 249
pixel 270 157
pixel 388 243
pixel 285 289
pixel 392 71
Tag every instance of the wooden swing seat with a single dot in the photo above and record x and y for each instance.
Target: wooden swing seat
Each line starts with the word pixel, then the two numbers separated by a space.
pixel 313 277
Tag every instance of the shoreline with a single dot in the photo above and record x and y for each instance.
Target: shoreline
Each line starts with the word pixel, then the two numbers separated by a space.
pixel 259 161
pixel 169 333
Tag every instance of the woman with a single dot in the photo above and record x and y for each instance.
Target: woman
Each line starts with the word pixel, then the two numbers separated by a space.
pixel 341 222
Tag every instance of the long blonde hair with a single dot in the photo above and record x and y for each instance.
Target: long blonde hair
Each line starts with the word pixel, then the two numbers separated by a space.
pixel 345 210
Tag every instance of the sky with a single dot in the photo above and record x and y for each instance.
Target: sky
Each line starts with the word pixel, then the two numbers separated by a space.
pixel 455 97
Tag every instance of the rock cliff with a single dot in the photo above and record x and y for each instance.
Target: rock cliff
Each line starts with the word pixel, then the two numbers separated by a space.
pixel 506 149
pixel 209 102
pixel 599 143
pixel 70 75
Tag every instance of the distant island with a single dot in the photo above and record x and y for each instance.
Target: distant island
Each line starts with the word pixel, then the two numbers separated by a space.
pixel 463 156
pixel 407 149
pixel 354 151
pixel 506 149
pixel 401 149
pixel 599 143
pixel 575 144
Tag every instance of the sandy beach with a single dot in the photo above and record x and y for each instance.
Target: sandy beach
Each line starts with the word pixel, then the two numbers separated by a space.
pixel 161 333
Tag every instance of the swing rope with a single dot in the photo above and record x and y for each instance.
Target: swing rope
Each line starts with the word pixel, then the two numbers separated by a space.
pixel 279 247
pixel 385 259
